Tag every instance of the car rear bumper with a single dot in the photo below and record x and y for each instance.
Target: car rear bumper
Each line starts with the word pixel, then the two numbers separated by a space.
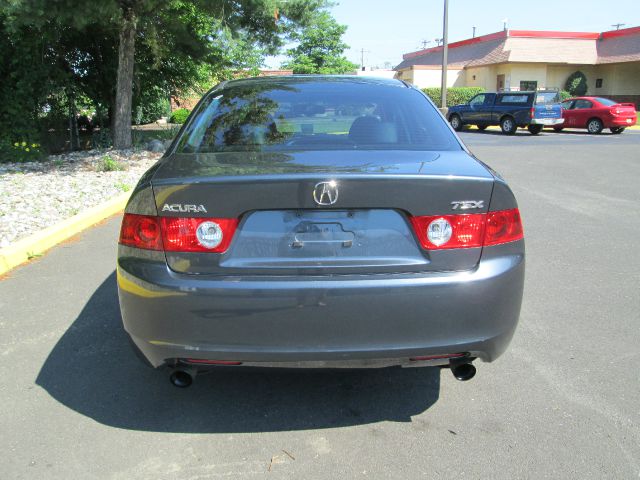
pixel 547 121
pixel 622 121
pixel 322 321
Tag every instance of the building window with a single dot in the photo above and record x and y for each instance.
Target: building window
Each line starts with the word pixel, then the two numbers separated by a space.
pixel 598 83
pixel 528 85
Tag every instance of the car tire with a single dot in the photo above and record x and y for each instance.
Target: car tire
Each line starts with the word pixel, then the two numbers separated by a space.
pixel 508 126
pixel 482 128
pixel 558 129
pixel 456 122
pixel 534 129
pixel 617 130
pixel 595 125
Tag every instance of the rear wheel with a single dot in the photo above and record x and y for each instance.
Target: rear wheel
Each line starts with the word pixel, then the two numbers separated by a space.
pixel 481 127
pixel 616 130
pixel 594 125
pixel 508 126
pixel 456 122
pixel 534 129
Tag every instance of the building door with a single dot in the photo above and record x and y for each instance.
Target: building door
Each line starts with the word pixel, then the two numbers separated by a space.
pixel 500 82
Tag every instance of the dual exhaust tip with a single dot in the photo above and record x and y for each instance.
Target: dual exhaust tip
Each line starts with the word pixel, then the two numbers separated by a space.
pixel 182 377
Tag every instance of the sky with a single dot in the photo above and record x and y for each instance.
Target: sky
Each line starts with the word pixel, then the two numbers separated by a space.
pixel 387 29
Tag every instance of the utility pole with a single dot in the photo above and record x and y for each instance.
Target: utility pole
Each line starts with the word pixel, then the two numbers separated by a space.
pixel 504 24
pixel 618 25
pixel 445 43
pixel 362 52
pixel 425 43
pixel 474 32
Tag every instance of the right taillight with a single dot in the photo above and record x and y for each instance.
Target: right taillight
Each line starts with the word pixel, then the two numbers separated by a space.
pixel 441 232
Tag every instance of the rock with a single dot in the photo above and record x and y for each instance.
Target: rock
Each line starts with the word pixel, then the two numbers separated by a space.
pixel 155 146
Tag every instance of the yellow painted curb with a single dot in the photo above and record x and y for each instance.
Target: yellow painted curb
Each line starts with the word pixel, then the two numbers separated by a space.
pixel 38 243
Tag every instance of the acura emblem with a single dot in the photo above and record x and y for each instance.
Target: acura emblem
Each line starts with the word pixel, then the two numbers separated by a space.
pixel 326 193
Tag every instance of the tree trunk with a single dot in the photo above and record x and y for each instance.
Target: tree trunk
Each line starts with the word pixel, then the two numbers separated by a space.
pixel 74 137
pixel 124 84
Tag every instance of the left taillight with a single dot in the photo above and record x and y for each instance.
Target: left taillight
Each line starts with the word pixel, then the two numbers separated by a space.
pixel 141 231
pixel 177 234
pixel 212 235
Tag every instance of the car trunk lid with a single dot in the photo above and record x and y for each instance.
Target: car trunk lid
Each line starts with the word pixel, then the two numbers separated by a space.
pixel 284 231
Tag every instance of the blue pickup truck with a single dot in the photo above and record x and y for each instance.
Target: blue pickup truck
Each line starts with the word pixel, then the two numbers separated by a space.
pixel 510 110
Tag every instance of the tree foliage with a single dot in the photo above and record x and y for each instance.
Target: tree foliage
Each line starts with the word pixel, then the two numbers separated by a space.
pixel 58 56
pixel 320 48
pixel 455 95
pixel 576 84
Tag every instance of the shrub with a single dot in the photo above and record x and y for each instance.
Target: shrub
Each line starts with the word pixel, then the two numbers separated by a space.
pixel 179 116
pixel 564 95
pixel 101 138
pixel 21 151
pixel 576 84
pixel 455 95
pixel 150 107
pixel 109 164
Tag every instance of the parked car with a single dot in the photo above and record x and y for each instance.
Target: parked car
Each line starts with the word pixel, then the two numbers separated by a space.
pixel 359 232
pixel 596 114
pixel 510 110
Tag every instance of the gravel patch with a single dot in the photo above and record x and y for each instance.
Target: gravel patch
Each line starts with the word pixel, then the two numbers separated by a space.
pixel 36 195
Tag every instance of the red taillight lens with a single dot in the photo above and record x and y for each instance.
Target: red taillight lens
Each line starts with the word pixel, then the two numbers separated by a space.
pixel 533 112
pixel 141 231
pixel 181 234
pixel 177 234
pixel 467 231
pixel 503 226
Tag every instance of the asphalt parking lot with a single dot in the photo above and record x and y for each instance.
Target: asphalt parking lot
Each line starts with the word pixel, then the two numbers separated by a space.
pixel 563 402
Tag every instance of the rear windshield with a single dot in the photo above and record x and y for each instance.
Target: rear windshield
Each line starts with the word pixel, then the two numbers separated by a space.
pixel 514 99
pixel 545 98
pixel 315 115
pixel 606 101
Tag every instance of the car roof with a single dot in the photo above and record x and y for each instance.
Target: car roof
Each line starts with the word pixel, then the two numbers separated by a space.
pixel 292 79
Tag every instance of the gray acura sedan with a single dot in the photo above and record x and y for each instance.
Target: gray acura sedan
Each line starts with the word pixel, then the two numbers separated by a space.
pixel 319 221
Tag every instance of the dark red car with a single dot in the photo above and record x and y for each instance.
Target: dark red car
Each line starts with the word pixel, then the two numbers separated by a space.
pixel 597 113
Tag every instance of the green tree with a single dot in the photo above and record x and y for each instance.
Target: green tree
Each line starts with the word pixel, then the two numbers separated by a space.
pixel 320 48
pixel 116 51
pixel 576 84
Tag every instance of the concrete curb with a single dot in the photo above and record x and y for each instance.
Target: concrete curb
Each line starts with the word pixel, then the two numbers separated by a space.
pixel 36 244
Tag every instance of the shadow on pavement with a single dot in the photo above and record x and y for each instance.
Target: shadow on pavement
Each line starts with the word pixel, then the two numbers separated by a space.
pixel 93 371
pixel 519 132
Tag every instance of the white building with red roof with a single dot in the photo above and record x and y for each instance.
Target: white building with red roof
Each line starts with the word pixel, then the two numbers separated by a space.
pixel 526 59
